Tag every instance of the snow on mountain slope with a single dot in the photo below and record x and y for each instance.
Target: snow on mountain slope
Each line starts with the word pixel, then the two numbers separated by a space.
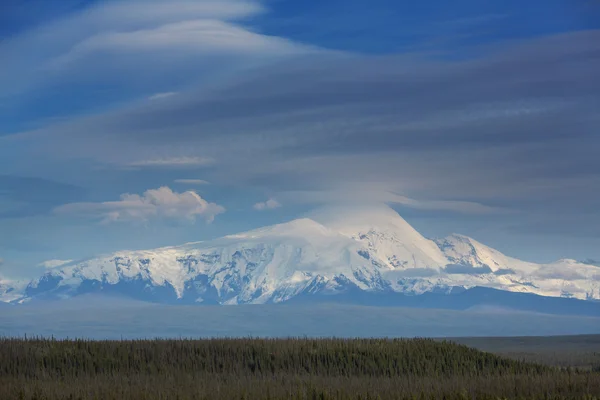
pixel 462 250
pixel 11 290
pixel 574 279
pixel 268 264
pixel 563 278
pixel 386 234
pixel 334 251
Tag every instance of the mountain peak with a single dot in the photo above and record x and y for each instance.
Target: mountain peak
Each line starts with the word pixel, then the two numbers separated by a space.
pixel 384 232
pixel 351 219
pixel 302 227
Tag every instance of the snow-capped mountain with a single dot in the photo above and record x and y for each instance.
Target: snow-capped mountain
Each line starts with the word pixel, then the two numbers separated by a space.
pixel 330 253
pixel 11 290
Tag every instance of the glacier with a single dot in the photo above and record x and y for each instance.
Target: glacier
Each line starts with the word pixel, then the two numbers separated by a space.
pixel 331 254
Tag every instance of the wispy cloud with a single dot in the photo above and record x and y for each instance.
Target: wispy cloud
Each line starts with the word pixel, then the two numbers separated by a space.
pixel 27 196
pixel 351 119
pixel 198 36
pixel 152 204
pixel 172 162
pixel 514 128
pixel 466 207
pixel 550 272
pixel 163 95
pixel 369 193
pixel 51 264
pixel 476 20
pixel 139 44
pixel 192 181
pixel 267 205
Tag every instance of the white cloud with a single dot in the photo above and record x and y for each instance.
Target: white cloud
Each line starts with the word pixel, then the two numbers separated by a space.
pixel 139 41
pixel 350 120
pixel 466 207
pixel 159 96
pixel 51 264
pixel 560 272
pixel 267 205
pixel 192 182
pixel 203 37
pixel 157 10
pixel 152 204
pixel 173 162
pixel 379 193
pixel 488 138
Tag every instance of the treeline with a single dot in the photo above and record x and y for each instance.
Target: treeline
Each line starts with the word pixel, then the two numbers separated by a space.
pixel 276 369
pixel 580 351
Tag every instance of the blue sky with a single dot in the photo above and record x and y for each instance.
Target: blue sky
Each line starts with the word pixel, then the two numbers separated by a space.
pixel 134 124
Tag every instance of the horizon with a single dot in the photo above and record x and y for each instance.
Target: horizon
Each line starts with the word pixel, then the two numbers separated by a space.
pixel 140 125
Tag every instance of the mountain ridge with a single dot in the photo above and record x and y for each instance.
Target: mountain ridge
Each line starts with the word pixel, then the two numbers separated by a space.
pixel 354 251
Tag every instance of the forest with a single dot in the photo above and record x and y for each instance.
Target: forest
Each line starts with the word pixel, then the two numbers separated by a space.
pixel 294 368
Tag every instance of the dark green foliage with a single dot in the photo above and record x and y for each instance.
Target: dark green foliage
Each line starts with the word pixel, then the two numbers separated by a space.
pixel 580 351
pixel 276 369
